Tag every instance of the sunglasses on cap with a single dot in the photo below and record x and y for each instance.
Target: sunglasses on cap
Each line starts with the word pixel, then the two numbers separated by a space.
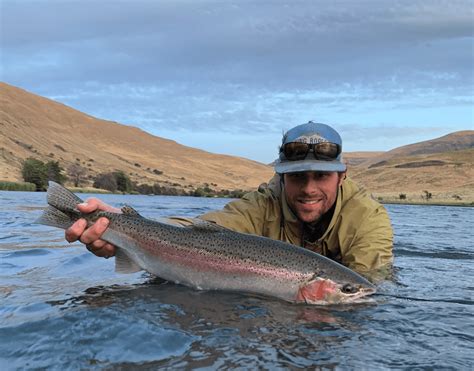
pixel 295 151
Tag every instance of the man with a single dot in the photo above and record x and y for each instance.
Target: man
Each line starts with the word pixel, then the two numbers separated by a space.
pixel 309 203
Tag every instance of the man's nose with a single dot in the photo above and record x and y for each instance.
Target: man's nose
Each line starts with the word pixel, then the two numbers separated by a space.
pixel 310 184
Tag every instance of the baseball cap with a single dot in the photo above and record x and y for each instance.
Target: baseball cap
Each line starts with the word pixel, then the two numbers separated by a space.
pixel 310 133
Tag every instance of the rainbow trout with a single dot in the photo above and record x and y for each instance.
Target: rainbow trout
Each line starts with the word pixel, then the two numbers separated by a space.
pixel 207 256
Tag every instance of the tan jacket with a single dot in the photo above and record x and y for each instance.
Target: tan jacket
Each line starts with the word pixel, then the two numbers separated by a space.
pixel 359 234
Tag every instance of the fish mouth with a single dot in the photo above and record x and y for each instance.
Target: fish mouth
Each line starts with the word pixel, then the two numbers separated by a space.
pixel 362 296
pixel 321 291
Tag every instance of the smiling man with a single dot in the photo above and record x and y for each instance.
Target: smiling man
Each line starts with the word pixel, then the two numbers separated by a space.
pixel 309 203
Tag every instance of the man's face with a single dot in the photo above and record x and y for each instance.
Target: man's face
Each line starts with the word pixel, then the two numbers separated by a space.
pixel 311 194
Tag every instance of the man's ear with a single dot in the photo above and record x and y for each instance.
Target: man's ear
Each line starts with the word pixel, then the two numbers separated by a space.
pixel 342 176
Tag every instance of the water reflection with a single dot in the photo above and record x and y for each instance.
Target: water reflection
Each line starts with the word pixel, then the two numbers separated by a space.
pixel 230 326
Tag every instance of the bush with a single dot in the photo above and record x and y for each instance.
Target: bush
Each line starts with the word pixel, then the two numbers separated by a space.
pixel 37 172
pixel 34 171
pixel 54 172
pixel 17 186
pixel 402 196
pixel 113 182
pixel 106 181
pixel 144 189
pixel 124 183
pixel 77 174
pixel 427 195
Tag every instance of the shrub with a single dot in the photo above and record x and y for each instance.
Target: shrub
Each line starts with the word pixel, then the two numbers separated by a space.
pixel 113 182
pixel 77 174
pixel 426 195
pixel 123 181
pixel 54 172
pixel 37 172
pixel 105 181
pixel 17 186
pixel 34 171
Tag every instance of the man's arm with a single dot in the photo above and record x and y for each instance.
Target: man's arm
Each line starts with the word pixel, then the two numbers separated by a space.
pixel 246 215
pixel 370 250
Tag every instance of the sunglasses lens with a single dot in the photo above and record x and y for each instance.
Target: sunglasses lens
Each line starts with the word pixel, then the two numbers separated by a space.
pixel 326 151
pixel 295 151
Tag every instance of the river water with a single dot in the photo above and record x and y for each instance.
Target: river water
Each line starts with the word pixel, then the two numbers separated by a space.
pixel 62 308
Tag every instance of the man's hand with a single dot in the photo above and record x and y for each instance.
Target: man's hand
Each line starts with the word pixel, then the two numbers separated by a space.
pixel 91 236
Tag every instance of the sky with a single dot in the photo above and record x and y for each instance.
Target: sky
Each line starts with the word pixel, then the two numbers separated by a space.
pixel 230 77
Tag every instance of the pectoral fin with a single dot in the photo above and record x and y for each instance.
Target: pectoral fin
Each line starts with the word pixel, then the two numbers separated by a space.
pixel 123 263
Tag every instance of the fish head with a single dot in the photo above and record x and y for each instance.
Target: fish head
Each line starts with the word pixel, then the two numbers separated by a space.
pixel 326 291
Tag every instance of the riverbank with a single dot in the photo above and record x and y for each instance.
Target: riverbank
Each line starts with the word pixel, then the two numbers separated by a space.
pixel 435 199
pixel 148 191
pixel 465 200
pixel 428 203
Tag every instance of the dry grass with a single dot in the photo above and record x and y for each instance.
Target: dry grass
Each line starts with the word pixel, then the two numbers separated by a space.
pixel 32 126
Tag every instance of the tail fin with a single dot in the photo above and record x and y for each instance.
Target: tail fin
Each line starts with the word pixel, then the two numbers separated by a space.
pixel 61 198
pixel 55 218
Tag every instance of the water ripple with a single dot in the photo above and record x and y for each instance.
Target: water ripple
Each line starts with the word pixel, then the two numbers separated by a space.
pixel 60 307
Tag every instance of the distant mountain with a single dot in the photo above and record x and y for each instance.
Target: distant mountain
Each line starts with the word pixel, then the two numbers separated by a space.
pixel 357 158
pixel 456 141
pixel 443 166
pixel 33 126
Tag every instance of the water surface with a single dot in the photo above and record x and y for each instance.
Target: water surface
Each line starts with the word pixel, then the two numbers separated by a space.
pixel 63 308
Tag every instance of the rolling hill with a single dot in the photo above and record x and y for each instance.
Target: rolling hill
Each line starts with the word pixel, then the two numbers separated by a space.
pixel 33 126
pixel 443 166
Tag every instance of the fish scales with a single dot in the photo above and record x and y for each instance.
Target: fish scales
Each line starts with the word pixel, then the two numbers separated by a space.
pixel 207 256
pixel 223 252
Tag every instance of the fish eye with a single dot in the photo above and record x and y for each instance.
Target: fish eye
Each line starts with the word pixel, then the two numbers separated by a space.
pixel 349 289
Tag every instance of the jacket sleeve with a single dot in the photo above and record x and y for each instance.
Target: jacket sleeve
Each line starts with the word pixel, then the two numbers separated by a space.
pixel 369 251
pixel 246 215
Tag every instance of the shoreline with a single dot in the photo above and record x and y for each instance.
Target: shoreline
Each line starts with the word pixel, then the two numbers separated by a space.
pixel 388 199
pixel 421 203
pixel 383 202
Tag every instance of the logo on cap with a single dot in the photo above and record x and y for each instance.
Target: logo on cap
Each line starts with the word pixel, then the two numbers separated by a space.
pixel 311 139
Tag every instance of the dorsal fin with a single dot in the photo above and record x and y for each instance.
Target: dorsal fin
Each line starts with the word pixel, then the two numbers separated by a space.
pixel 205 226
pixel 128 210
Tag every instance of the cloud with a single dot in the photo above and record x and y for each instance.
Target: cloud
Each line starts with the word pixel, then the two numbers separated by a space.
pixel 279 44
pixel 245 67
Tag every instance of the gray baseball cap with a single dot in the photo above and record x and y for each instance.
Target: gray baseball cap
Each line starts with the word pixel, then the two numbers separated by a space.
pixel 310 133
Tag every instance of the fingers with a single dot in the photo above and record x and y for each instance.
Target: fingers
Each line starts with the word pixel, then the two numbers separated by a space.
pixel 92 204
pixel 90 236
pixel 74 232
pixel 102 249
pixel 95 231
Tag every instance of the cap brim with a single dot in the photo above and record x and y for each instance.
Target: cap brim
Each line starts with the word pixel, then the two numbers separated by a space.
pixel 308 165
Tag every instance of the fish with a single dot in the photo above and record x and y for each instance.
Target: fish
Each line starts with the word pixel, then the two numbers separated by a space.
pixel 206 256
